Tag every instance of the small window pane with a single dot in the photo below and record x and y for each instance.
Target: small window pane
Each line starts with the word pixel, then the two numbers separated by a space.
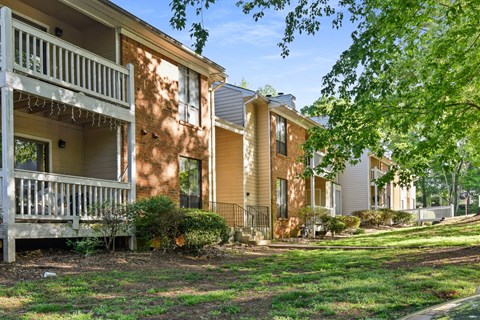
pixel 190 183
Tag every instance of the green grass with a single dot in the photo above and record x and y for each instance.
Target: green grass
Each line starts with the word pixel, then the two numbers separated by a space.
pixel 318 284
pixel 462 234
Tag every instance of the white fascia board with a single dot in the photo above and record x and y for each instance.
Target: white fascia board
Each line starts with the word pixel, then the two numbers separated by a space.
pixel 49 91
pixel 230 126
pixel 294 116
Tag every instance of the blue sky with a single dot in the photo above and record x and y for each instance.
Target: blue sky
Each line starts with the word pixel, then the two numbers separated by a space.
pixel 248 49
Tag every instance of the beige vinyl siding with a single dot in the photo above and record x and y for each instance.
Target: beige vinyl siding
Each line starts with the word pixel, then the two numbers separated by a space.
pixel 101 153
pixel 229 166
pixel 251 156
pixel 100 40
pixel 229 105
pixel 70 33
pixel 263 164
pixel 355 184
pixel 69 160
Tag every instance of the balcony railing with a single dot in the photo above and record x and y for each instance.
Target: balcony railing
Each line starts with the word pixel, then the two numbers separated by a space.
pixel 376 174
pixel 48 196
pixel 48 58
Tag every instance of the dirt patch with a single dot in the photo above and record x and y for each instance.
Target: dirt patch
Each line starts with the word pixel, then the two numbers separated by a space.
pixel 439 257
pixel 33 264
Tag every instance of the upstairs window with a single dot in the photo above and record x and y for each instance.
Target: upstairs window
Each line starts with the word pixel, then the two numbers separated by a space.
pixel 281 135
pixel 189 96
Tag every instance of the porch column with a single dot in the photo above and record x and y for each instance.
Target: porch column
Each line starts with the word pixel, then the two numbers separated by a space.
pixel 8 157
pixel 312 185
pixel 132 165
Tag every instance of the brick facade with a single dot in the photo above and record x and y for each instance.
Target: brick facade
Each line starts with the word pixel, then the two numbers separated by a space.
pixel 156 113
pixel 288 168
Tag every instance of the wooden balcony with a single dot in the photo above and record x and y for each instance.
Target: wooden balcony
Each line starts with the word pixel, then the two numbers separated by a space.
pixel 30 57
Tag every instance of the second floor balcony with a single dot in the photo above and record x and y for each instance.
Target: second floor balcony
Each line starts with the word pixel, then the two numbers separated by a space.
pixel 38 55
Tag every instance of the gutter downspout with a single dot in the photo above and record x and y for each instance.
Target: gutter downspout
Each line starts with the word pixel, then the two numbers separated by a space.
pixel 212 177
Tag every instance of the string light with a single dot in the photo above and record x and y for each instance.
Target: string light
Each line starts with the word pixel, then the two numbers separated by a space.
pixel 28 103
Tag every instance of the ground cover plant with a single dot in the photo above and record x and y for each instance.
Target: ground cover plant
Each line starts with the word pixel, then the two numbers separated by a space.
pixel 463 233
pixel 239 282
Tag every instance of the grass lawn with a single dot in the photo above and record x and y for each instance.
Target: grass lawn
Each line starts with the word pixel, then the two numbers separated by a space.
pixel 464 233
pixel 318 284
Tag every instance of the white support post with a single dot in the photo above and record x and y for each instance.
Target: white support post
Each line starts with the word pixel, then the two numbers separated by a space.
pixel 8 187
pixel 6 36
pixel 452 211
pixel 132 167
pixel 312 184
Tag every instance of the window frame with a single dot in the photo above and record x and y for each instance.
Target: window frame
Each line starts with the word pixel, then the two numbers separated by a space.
pixel 39 140
pixel 186 198
pixel 188 82
pixel 281 146
pixel 282 201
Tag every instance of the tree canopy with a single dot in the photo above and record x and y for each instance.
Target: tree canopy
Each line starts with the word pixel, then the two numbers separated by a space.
pixel 408 87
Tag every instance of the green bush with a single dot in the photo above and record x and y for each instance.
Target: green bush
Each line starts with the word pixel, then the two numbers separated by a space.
pixel 351 222
pixel 200 228
pixel 334 225
pixel 386 216
pixel 359 231
pixel 85 246
pixel 403 218
pixel 368 218
pixel 157 219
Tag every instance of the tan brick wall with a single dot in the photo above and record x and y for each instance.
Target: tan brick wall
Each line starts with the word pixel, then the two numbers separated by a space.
pixel 288 168
pixel 156 99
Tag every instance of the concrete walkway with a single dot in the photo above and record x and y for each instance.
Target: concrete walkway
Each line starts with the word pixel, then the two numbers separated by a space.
pixel 460 309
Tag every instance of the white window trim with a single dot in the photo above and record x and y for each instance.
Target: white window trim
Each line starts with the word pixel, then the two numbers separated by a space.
pixel 40 139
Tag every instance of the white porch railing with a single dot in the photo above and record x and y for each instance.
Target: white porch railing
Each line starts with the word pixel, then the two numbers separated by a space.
pixel 48 196
pixel 432 213
pixel 376 174
pixel 51 59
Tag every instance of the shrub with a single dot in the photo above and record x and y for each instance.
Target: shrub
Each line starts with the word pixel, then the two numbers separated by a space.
pixel 115 220
pixel 85 246
pixel 351 222
pixel 359 231
pixel 368 218
pixel 333 225
pixel 157 219
pixel 386 216
pixel 200 228
pixel 403 218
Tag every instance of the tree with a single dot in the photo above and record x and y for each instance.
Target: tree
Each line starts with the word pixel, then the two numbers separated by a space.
pixel 302 17
pixel 411 72
pixel 267 89
pixel 244 84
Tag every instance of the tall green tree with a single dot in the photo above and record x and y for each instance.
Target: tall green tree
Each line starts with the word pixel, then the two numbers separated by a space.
pixel 412 71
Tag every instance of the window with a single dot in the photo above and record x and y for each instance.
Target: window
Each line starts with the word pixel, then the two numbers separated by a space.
pixel 282 210
pixel 190 183
pixel 281 135
pixel 189 96
pixel 31 155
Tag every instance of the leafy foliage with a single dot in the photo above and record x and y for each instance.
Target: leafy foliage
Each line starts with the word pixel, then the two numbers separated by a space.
pixel 351 222
pixel 407 85
pixel 157 218
pixel 200 228
pixel 302 17
pixel 85 246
